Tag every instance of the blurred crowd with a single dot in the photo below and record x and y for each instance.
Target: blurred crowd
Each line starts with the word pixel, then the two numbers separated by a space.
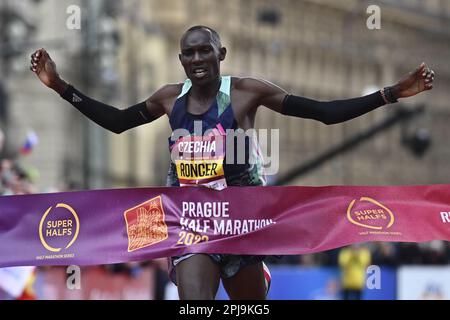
pixel 391 254
pixel 14 179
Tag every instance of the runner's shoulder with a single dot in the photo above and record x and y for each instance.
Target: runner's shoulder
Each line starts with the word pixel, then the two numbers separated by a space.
pixel 248 84
pixel 167 92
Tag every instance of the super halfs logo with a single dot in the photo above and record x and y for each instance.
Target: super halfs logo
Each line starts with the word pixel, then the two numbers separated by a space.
pixel 58 229
pixel 145 224
pixel 370 214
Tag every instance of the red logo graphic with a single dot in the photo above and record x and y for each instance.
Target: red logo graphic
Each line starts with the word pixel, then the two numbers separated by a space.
pixel 145 224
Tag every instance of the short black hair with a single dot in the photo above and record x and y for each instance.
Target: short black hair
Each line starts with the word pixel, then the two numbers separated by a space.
pixel 214 34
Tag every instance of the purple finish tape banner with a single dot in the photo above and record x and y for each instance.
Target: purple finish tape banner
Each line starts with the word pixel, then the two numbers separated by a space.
pixel 113 226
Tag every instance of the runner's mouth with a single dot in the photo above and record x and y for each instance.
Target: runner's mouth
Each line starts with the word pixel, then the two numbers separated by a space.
pixel 199 72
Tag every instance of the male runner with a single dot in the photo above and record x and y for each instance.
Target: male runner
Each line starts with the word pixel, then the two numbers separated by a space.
pixel 221 103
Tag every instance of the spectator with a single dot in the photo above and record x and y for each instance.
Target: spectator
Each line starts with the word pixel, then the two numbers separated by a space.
pixel 353 262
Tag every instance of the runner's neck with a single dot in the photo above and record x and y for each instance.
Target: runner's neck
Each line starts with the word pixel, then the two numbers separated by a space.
pixel 206 92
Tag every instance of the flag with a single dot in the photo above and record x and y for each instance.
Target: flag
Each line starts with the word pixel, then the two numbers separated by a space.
pixel 30 142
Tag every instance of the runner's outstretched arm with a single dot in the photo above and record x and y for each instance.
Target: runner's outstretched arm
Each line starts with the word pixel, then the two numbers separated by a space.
pixel 107 116
pixel 337 111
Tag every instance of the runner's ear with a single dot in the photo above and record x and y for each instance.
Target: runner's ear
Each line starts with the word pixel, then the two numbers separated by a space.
pixel 222 53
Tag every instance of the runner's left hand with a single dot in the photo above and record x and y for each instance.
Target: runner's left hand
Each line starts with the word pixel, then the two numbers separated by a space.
pixel 415 82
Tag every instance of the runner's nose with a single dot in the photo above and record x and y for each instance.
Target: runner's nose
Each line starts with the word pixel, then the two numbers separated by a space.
pixel 197 58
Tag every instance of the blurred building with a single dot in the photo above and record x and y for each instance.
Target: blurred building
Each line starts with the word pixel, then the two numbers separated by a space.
pixel 26 26
pixel 321 49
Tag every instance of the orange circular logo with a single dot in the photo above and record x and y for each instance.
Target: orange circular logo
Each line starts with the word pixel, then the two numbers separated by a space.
pixel 369 213
pixel 64 228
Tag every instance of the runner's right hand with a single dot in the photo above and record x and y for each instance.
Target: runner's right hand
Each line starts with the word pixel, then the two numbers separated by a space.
pixel 45 68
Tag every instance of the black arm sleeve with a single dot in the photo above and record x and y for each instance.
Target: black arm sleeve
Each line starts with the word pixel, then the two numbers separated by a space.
pixel 108 117
pixel 333 111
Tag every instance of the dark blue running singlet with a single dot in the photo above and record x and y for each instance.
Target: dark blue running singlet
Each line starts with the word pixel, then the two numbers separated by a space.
pixel 236 173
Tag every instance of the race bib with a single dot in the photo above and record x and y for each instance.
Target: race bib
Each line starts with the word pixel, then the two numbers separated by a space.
pixel 199 160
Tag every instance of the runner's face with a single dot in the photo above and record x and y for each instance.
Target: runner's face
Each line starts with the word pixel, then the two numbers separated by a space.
pixel 201 56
